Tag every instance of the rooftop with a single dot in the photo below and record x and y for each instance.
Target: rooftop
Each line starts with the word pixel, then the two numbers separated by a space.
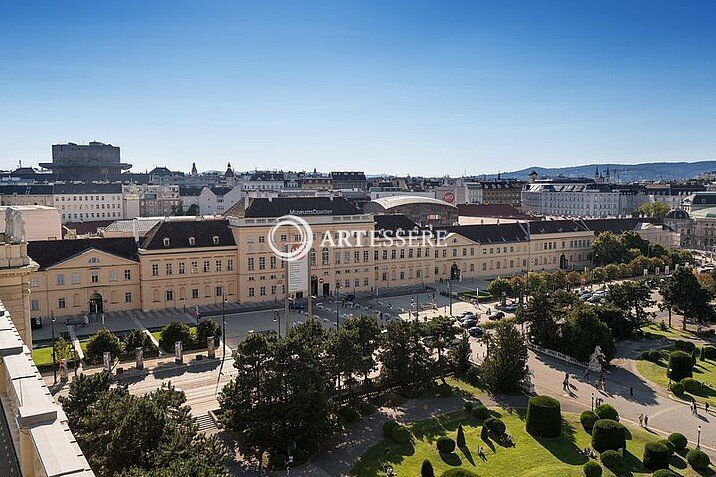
pixel 400 200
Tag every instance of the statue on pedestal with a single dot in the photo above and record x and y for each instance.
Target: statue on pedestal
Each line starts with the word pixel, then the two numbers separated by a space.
pixel 596 359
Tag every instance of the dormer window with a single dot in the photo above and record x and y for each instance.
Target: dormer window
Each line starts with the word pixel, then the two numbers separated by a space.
pixel 166 241
pixel 216 240
pixel 192 241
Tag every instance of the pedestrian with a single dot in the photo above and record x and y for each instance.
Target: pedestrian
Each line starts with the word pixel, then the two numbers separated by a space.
pixel 646 421
pixel 631 391
pixel 641 420
pixel 706 407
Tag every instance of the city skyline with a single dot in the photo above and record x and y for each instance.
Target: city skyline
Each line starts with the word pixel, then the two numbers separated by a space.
pixel 397 88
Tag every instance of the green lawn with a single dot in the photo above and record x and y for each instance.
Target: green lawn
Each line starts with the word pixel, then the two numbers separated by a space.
pixel 654 331
pixel 157 335
pixel 704 371
pixel 531 457
pixel 43 356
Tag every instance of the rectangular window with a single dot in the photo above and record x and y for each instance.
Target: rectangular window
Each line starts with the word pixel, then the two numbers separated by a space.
pixel 219 291
pixel 195 293
pixel 60 278
pixel 34 282
pixel 250 263
pixel 113 275
pixel 230 264
pixel 182 268
pixel 94 277
pixel 170 295
pixel 194 266
pixel 272 262
pixel 168 268
pixel 61 303
pixel 262 291
pixel 262 263
pixel 128 297
pixel 155 269
pixel 218 265
pixel 252 291
pixel 35 305
pixel 207 266
pixel 128 274
pixel 75 278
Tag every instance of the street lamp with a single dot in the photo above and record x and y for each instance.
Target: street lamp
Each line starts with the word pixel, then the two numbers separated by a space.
pixel 698 437
pixel 338 305
pixel 54 358
pixel 223 324
pixel 592 401
pixel 277 318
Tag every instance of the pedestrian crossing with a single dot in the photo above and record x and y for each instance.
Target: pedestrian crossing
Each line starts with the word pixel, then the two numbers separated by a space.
pixel 205 422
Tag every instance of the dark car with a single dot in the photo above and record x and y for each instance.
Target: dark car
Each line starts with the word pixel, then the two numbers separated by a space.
pixel 469 323
pixel 476 331
pixel 498 315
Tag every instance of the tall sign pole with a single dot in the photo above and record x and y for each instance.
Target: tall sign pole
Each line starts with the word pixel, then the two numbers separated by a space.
pixel 286 287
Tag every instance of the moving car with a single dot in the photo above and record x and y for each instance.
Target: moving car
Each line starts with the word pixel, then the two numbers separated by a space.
pixel 475 331
pixel 469 323
pixel 498 315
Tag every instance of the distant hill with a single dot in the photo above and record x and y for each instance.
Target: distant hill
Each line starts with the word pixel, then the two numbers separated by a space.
pixel 647 171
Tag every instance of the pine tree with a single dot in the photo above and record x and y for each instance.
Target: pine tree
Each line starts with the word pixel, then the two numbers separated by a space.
pixel 460 440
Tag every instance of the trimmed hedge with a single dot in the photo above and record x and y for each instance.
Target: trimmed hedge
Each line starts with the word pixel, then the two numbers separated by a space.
pixel 669 445
pixel 495 426
pixel 480 412
pixel 468 406
pixel 400 434
pixel 457 472
pixel 588 418
pixel 687 346
pixel 691 385
pixel 698 459
pixel 445 445
pixel 592 469
pixel 608 434
pixel 664 473
pixel 426 470
pixel 677 388
pixel 611 459
pixel 708 352
pixel 388 427
pixel 681 365
pixel 679 440
pixel 460 438
pixel 606 411
pixel 544 417
pixel 656 456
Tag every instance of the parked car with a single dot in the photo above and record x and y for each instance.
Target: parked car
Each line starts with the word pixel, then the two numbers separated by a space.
pixel 469 323
pixel 476 331
pixel 468 315
pixel 497 315
pixel 509 308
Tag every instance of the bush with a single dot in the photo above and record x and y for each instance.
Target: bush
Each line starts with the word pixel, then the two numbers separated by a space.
pixel 544 417
pixel 681 365
pixel 669 445
pixel 469 405
pixel 708 352
pixel 480 412
pixel 655 356
pixel 677 388
pixel 606 411
pixel 100 342
pixel 656 456
pixel 495 426
pixel 444 390
pixel 588 418
pixel 679 440
pixel 457 472
pixel 138 339
pixel 611 459
pixel 645 356
pixel 388 427
pixel 173 332
pixel 400 434
pixel 427 469
pixel 348 414
pixel 592 469
pixel 207 327
pixel 698 459
pixel 687 346
pixel 691 385
pixel 608 434
pixel 460 439
pixel 664 473
pixel 445 445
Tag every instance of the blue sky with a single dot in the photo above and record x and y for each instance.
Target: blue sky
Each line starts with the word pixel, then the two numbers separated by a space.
pixel 397 87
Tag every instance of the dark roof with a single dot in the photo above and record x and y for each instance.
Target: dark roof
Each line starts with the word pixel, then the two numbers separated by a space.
pixel 50 252
pixel 221 190
pixel 179 231
pixel 266 176
pixel 348 176
pixel 88 227
pixel 190 191
pixel 279 206
pixel 555 226
pixel 161 171
pixel 31 189
pixel 491 210
pixel 88 188
pixel 393 222
pixel 677 214
pixel 492 233
pixel 616 226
